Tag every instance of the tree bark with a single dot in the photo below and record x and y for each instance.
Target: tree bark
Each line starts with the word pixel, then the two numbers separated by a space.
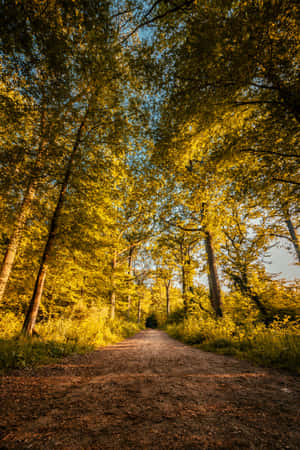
pixel 215 292
pixel 168 284
pixel 13 245
pixel 14 241
pixel 32 312
pixel 113 305
pixel 139 309
pixel 183 279
pixel 113 289
pixel 130 261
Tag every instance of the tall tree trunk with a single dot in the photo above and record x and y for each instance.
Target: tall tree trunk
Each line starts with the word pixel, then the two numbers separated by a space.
pixel 13 245
pixel 113 305
pixel 14 241
pixel 139 309
pixel 113 288
pixel 168 284
pixel 215 292
pixel 130 262
pixel 33 309
pixel 183 280
pixel 293 234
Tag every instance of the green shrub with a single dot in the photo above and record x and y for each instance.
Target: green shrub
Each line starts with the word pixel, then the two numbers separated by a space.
pixel 277 345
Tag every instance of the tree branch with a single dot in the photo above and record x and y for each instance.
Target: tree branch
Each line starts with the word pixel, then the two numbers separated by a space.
pixel 159 16
pixel 270 152
pixel 286 181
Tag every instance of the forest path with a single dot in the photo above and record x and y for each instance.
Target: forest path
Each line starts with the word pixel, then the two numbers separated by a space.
pixel 149 392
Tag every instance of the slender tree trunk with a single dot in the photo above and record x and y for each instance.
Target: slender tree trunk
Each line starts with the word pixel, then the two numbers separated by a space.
pixel 32 312
pixel 183 280
pixel 139 309
pixel 293 234
pixel 13 245
pixel 113 305
pixel 113 289
pixel 185 289
pixel 168 284
pixel 23 213
pixel 215 292
pixel 130 261
pixel 14 241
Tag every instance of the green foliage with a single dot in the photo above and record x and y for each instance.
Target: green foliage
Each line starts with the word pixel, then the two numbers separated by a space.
pixel 78 331
pixel 176 316
pixel 20 353
pixel 275 346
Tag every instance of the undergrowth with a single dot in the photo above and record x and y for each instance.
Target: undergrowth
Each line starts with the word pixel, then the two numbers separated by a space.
pixel 276 345
pixel 78 332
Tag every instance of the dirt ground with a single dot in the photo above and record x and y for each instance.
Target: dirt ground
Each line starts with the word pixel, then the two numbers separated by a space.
pixel 149 392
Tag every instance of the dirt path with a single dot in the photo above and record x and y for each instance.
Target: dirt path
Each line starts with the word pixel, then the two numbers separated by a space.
pixel 149 392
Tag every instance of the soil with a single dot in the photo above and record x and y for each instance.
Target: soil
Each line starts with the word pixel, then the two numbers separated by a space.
pixel 149 392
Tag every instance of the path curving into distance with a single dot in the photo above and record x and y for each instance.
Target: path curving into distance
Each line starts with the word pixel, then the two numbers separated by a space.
pixel 149 392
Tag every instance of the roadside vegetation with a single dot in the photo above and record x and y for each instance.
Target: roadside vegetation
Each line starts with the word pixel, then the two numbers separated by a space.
pixel 272 344
pixel 78 332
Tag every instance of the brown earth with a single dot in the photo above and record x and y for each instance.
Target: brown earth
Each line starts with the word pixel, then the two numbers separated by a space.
pixel 149 392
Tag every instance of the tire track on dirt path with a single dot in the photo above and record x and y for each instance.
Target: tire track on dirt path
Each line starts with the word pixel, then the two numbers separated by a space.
pixel 149 392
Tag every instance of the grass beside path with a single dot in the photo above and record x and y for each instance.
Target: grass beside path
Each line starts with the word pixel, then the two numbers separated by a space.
pixel 277 345
pixel 59 337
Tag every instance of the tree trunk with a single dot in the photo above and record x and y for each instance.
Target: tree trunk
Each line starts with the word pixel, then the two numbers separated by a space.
pixel 23 214
pixel 139 310
pixel 113 289
pixel 113 305
pixel 130 261
pixel 168 284
pixel 32 312
pixel 14 241
pixel 183 280
pixel 293 234
pixel 215 292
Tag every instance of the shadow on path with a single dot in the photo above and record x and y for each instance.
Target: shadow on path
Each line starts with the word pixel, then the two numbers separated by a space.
pixel 149 392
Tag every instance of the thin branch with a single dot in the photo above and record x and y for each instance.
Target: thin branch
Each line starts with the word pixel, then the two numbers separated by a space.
pixel 264 86
pixel 286 181
pixel 256 102
pixel 159 16
pixel 181 227
pixel 120 13
pixel 281 236
pixel 270 152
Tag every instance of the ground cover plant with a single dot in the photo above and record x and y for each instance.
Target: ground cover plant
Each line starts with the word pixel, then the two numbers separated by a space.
pixel 56 338
pixel 274 345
